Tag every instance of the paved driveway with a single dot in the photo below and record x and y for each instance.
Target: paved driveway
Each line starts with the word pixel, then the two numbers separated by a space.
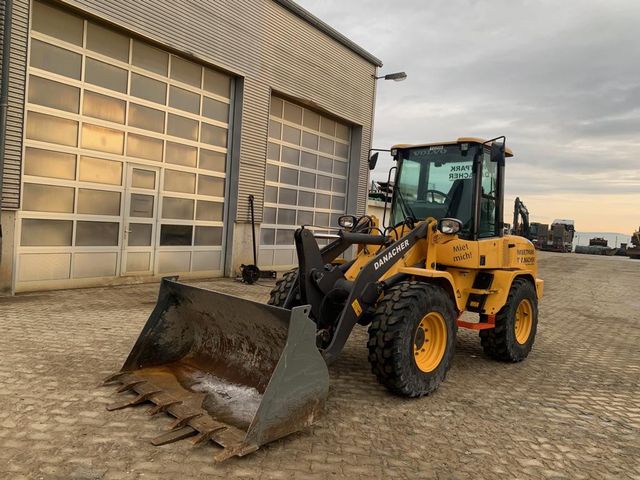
pixel 571 410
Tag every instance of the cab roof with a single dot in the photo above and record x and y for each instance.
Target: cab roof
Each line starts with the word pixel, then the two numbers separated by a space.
pixel 508 152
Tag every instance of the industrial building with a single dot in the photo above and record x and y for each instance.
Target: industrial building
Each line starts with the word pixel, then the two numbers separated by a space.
pixel 136 132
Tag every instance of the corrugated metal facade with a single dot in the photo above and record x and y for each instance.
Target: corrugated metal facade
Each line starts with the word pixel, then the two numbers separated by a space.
pixel 13 148
pixel 274 50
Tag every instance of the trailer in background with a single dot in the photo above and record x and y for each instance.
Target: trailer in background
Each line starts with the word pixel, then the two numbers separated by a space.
pixel 557 238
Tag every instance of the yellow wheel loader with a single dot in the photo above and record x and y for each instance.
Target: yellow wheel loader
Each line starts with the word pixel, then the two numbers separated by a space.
pixel 241 374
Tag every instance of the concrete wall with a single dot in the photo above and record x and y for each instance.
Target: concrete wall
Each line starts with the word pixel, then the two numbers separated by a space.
pixel 7 250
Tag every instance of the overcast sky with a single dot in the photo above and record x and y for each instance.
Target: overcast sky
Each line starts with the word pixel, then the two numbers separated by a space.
pixel 561 79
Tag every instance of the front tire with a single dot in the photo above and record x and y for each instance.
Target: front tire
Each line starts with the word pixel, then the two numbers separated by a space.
pixel 512 338
pixel 412 338
pixel 283 286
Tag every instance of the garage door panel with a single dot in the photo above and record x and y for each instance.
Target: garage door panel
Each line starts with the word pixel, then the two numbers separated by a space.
pixel 117 102
pixel 306 176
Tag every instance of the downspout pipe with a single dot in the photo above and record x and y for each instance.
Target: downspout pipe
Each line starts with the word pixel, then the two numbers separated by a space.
pixel 4 95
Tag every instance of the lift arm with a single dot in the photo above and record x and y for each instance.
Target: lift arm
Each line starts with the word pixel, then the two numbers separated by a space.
pixel 319 282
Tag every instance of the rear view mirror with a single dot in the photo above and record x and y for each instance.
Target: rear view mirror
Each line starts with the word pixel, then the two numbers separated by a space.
pixel 347 221
pixel 497 153
pixel 449 226
pixel 373 160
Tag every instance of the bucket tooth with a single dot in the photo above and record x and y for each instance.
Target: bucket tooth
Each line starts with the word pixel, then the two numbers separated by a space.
pixel 113 377
pixel 181 422
pixel 174 436
pixel 129 403
pixel 162 407
pixel 205 436
pixel 233 451
pixel 130 385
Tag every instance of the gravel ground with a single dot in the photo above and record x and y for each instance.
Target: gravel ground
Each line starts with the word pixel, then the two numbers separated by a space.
pixel 571 410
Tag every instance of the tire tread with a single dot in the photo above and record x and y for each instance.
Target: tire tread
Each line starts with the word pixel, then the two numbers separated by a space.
pixel 389 362
pixel 496 342
pixel 279 293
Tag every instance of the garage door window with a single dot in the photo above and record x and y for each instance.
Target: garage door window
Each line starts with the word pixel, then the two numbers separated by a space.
pixel 306 177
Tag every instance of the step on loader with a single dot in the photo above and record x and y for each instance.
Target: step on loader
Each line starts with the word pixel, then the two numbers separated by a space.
pixel 241 374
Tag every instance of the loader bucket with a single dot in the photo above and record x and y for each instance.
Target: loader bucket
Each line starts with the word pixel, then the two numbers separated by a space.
pixel 233 371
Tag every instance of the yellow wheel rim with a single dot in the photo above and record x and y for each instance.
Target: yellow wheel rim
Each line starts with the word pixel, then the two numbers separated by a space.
pixel 430 342
pixel 524 321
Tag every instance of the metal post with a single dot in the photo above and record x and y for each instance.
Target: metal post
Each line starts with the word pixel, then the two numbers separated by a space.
pixel 253 232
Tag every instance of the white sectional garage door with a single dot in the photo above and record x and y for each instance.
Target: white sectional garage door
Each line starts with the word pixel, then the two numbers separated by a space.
pixel 306 178
pixel 125 156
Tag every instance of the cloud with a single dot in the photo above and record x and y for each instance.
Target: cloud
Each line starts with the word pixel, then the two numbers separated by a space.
pixel 560 79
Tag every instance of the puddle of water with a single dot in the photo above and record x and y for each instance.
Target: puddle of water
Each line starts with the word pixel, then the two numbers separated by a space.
pixel 229 402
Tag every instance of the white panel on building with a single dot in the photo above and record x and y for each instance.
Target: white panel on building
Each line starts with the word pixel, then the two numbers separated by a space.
pixel 44 266
pixel 88 265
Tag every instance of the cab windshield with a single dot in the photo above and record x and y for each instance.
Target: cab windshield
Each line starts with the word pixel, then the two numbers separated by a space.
pixel 436 181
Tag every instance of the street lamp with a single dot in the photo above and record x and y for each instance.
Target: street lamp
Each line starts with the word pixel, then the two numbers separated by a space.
pixel 396 77
pixel 373 159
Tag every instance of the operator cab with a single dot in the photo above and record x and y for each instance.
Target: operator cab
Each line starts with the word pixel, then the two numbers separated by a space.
pixel 462 180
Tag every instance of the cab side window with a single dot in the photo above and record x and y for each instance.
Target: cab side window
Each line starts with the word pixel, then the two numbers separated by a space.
pixel 488 198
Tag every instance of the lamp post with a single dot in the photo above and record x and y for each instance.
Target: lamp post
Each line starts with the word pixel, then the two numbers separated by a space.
pixel 396 77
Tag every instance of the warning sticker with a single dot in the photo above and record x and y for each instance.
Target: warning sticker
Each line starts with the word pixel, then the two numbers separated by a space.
pixel 356 307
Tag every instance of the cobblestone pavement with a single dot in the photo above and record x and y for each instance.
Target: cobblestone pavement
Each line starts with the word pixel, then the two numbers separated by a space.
pixel 571 410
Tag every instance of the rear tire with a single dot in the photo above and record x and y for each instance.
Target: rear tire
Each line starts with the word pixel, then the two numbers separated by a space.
pixel 280 292
pixel 516 324
pixel 412 338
